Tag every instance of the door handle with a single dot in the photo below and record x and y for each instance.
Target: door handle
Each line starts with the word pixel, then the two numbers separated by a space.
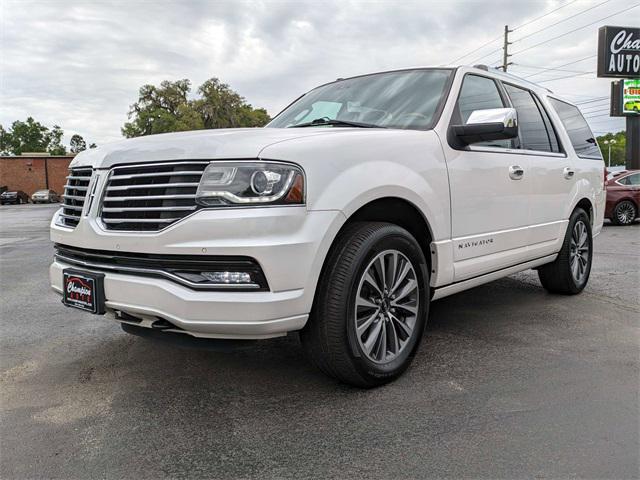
pixel 516 172
pixel 568 173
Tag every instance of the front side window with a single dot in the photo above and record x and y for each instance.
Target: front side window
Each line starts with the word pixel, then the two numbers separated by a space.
pixel 405 99
pixel 479 93
pixel 534 129
pixel 578 130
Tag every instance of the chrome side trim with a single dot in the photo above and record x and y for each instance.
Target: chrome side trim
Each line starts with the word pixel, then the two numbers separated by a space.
pixel 489 277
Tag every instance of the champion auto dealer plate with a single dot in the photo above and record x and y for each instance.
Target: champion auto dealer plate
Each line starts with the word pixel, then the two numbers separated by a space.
pixel 83 290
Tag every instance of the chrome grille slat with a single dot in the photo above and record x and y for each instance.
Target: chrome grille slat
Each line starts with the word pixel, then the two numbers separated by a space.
pixel 152 185
pixel 150 196
pixel 140 220
pixel 147 209
pixel 156 174
pixel 75 192
pixel 73 207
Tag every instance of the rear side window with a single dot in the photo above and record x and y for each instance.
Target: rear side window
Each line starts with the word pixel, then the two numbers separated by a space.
pixel 534 127
pixel 630 180
pixel 578 130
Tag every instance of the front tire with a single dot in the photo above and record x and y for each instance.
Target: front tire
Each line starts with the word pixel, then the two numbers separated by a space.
pixel 569 273
pixel 624 213
pixel 371 305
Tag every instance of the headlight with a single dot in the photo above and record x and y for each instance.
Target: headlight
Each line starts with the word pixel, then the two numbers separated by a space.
pixel 250 183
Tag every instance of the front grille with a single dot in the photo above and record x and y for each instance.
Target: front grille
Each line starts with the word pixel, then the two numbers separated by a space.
pixel 75 192
pixel 150 197
pixel 182 269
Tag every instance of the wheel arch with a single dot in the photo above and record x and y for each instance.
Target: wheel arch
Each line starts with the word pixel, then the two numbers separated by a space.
pixel 396 210
pixel 586 204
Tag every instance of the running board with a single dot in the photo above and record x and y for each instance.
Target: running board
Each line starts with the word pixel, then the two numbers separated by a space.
pixel 490 277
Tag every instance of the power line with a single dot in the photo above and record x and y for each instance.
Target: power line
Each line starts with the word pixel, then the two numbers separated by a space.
pixel 563 65
pixel 597 116
pixel 531 67
pixel 598 99
pixel 485 56
pixel 599 108
pixel 576 29
pixel 561 21
pixel 548 13
pixel 567 76
pixel 474 51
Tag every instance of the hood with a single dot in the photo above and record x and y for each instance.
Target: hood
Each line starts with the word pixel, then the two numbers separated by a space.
pixel 231 143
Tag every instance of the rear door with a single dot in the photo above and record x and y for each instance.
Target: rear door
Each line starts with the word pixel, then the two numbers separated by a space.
pixel 551 171
pixel 489 200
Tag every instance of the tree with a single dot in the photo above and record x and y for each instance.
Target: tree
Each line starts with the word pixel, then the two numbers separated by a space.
pixel 618 147
pixel 31 136
pixel 77 144
pixel 55 146
pixel 167 108
pixel 5 141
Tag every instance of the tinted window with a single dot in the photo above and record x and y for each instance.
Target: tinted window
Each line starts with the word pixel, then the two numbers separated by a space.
pixel 631 180
pixel 551 133
pixel 477 93
pixel 406 99
pixel 578 130
pixel 480 93
pixel 534 132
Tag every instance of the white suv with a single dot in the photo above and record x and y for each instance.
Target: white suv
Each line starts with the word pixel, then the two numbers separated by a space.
pixel 359 204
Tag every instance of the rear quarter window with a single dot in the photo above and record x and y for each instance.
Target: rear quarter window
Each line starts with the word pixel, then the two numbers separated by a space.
pixel 578 130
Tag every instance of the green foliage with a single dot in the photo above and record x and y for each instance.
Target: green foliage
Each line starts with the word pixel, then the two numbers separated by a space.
pixel 55 141
pixel 77 144
pixel 27 136
pixel 167 108
pixel 617 148
pixel 31 136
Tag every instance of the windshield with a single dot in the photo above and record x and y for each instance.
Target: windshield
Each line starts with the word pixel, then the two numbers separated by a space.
pixel 406 99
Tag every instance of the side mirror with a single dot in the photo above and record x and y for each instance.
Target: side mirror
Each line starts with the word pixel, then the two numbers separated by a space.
pixel 485 125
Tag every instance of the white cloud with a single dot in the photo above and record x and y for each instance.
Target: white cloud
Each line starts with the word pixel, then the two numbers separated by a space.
pixel 79 64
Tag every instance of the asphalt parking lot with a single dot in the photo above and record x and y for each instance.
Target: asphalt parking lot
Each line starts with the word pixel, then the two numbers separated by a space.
pixel 510 382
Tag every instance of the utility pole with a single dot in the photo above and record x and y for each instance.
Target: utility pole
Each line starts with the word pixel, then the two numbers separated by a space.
pixel 505 49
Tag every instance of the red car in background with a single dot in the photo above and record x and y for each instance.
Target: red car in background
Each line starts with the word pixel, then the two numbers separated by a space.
pixel 623 197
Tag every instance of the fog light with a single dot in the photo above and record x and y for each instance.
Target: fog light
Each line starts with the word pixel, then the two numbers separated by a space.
pixel 227 277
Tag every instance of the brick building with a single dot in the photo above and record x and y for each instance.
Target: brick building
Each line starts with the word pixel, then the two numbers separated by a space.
pixel 31 172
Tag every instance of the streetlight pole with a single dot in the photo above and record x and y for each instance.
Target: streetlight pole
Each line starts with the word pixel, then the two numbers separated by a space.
pixel 609 143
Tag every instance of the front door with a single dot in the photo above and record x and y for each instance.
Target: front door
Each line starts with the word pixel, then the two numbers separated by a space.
pixel 490 186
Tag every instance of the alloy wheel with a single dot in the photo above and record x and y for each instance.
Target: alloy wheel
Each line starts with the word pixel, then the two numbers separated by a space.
pixel 579 251
pixel 386 306
pixel 625 213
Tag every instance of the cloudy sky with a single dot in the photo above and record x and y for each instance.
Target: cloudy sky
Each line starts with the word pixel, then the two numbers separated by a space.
pixel 79 64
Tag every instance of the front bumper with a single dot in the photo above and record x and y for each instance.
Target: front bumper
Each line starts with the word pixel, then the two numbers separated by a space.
pixel 289 244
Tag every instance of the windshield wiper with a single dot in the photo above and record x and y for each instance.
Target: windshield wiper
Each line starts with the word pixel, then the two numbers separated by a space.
pixel 335 122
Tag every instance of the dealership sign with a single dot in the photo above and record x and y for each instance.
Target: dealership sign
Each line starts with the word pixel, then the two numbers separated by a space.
pixel 619 52
pixel 631 96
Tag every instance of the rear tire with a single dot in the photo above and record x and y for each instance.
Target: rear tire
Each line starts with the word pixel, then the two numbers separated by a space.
pixel 371 305
pixel 624 213
pixel 569 273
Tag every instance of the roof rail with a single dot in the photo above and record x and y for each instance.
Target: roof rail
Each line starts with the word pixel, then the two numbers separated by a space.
pixel 481 67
